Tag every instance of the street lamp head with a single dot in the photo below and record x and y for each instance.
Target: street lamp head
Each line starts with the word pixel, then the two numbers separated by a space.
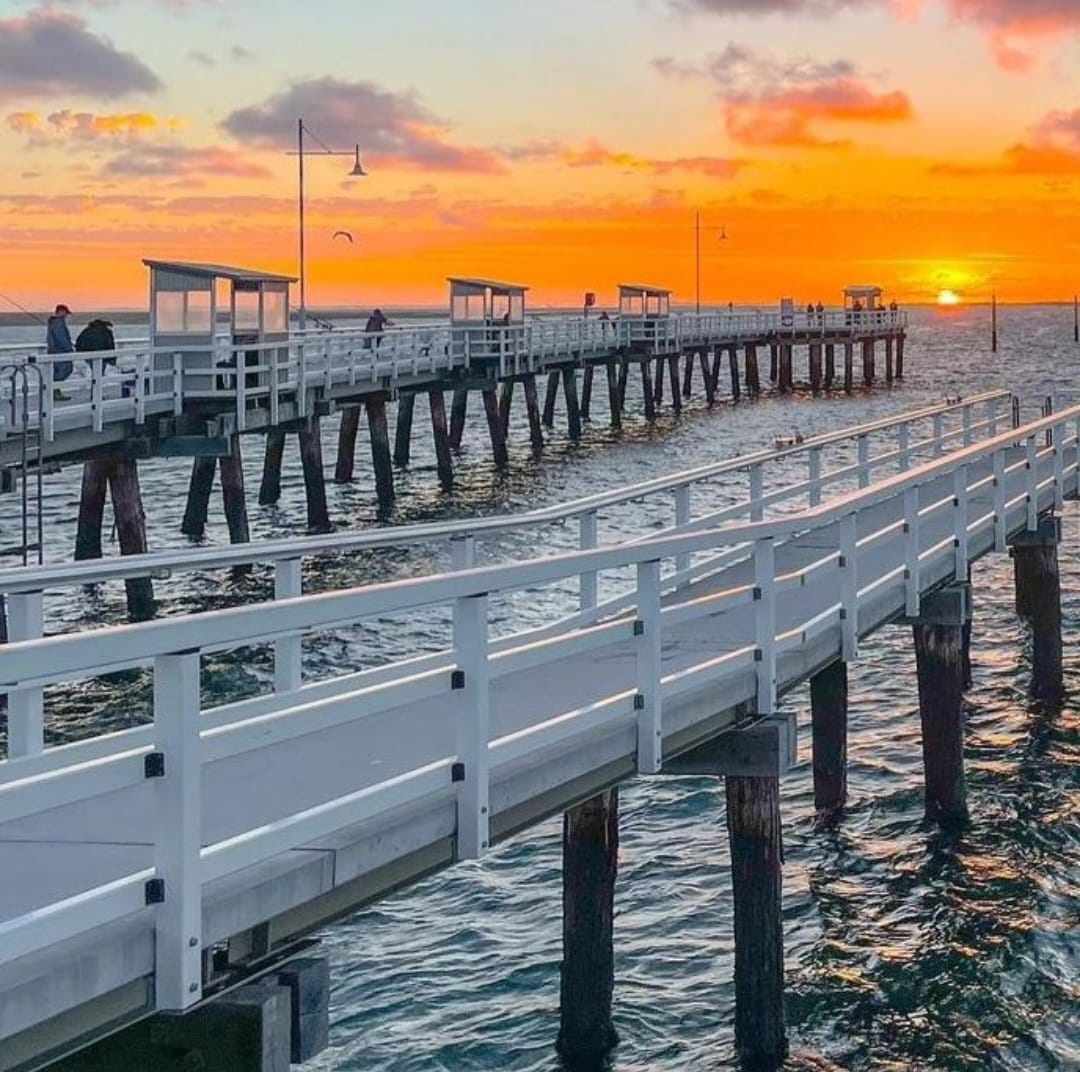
pixel 358 171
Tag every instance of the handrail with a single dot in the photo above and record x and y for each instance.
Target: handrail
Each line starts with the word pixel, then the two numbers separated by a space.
pixel 26 662
pixel 28 579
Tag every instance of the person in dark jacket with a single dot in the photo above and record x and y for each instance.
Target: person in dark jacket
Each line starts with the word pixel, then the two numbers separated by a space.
pixel 376 324
pixel 58 341
pixel 98 335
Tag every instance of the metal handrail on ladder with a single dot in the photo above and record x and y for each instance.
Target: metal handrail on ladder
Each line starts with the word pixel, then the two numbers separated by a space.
pixel 31 450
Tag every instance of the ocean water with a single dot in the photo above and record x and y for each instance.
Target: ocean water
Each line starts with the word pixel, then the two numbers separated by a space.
pixel 906 948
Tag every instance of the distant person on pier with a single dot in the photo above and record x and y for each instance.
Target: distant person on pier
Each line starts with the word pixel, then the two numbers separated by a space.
pixel 58 341
pixel 97 336
pixel 376 324
pixel 820 310
pixel 810 313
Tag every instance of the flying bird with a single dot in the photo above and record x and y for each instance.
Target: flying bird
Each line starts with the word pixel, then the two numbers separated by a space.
pixel 343 234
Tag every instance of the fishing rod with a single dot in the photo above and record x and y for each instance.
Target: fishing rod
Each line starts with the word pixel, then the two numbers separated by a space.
pixel 23 309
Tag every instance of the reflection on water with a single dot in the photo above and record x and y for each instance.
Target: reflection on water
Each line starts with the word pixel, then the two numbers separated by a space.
pixel 906 948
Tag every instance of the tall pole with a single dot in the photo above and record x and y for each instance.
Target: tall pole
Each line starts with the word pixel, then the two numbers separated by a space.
pixel 300 163
pixel 993 322
pixel 1076 318
pixel 697 262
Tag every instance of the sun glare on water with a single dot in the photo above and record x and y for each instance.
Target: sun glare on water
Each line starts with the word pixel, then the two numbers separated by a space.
pixel 948 297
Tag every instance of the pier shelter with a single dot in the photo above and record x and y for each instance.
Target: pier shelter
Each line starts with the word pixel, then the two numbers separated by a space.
pixel 644 316
pixel 487 325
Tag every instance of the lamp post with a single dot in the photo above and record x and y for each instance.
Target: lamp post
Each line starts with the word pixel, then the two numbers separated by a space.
pixel 324 150
pixel 697 258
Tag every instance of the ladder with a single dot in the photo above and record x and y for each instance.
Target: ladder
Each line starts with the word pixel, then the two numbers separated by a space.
pixel 25 383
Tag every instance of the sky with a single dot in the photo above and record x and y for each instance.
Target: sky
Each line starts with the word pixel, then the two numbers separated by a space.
pixel 923 145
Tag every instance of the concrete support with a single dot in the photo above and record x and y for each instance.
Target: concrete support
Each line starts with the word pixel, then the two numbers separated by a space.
pixel 829 714
pixel 439 433
pixel 233 496
pixel 375 404
pixel 1038 581
pixel 647 390
pixel 753 820
pixel 458 407
pixel 308 981
pixel 849 369
pixel 673 377
pixel 733 367
pixel 830 364
pixel 707 377
pixel 614 394
pixel 346 449
pixel 573 409
pixel 586 392
pixel 587 976
pixel 532 408
pixel 310 440
pixel 270 487
pixel 403 428
pixel 495 429
pixel 131 532
pixel 195 512
pixel 550 395
pixel 815 366
pixel 938 634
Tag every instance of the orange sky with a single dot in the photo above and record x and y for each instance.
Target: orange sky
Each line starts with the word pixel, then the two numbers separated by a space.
pixel 923 146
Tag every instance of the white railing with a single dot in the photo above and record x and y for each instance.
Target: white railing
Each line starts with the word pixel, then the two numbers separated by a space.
pixel 929 517
pixel 909 439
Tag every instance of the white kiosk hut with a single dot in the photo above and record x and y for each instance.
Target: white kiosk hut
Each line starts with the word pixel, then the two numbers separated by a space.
pixel 487 325
pixel 862 305
pixel 184 303
pixel 644 316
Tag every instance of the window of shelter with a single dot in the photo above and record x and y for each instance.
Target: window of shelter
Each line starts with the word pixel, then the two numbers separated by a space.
pixel 632 305
pixel 246 315
pixel 183 309
pixel 274 311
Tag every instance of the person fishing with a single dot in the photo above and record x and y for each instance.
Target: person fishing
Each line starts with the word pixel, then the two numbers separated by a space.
pixel 97 336
pixel 376 324
pixel 58 341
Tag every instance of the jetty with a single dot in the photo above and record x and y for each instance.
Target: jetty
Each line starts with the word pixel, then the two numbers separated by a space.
pixel 191 391
pixel 162 879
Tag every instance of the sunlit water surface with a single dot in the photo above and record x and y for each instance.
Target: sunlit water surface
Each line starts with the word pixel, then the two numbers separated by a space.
pixel 906 948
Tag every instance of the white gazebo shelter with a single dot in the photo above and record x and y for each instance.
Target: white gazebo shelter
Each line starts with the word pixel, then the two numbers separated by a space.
pixel 868 297
pixel 644 314
pixel 487 324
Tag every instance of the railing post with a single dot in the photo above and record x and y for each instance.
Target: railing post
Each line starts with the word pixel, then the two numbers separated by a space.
pixel 1059 465
pixel 992 415
pixel 473 727
pixel 178 384
pixel 97 393
pixel 587 542
pixel 814 461
pixel 288 671
pixel 967 425
pixel 912 579
pixel 682 517
pixel 240 387
pixel 1032 484
pixel 849 586
pixel 301 380
pixel 960 516
pixel 463 552
pixel 647 702
pixel 765 624
pixel 178 836
pixel 26 709
pixel 757 510
pixel 862 446
pixel 904 445
pixel 939 431
pixel 999 501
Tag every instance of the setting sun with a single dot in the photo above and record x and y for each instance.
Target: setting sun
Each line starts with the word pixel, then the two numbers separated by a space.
pixel 948 297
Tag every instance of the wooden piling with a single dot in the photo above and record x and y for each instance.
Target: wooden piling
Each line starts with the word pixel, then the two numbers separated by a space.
pixel 95 483
pixel 900 356
pixel 888 359
pixel 550 395
pixel 270 486
pixel 707 377
pixel 815 367
pixel 829 715
pixel 939 663
pixel 787 379
pixel 849 366
pixel 131 532
pixel 753 376
pixel 658 382
pixel 587 973
pixel 403 428
pixel 624 375
pixel 310 439
pixel 774 362
pixel 868 361
pixel 193 524
pixel 754 833
pixel 733 367
pixel 233 497
pixel 573 409
pixel 506 400
pixel 532 408
pixel 375 405
pixel 688 374
pixel 647 391
pixel 830 364
pixel 458 406
pixel 586 392
pixel 673 374
pixel 1038 590
pixel 346 452
pixel 495 429
pixel 614 397
pixel 441 436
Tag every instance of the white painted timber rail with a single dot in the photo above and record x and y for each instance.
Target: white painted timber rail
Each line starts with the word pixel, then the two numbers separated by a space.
pixel 262 384
pixel 893 442
pixel 127 855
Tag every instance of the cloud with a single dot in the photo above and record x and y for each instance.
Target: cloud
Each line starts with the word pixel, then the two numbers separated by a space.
pixel 595 154
pixel 181 162
pixel 203 59
pixel 392 129
pixel 47 53
pixel 88 126
pixel 773 102
pixel 241 54
pixel 1014 26
pixel 1053 150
